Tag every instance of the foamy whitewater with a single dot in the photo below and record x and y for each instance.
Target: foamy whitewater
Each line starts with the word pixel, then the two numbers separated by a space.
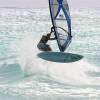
pixel 26 76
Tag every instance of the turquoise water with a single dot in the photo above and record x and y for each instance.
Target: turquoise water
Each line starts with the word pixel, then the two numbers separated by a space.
pixel 25 76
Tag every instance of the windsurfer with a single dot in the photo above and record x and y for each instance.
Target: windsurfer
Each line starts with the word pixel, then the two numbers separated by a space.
pixel 42 45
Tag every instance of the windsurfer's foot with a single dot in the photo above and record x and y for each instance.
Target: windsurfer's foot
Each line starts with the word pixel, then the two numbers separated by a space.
pixel 44 47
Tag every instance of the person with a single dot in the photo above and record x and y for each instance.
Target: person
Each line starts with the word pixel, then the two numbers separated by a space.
pixel 42 45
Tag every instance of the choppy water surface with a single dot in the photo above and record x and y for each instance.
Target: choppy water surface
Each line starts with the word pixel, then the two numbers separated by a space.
pixel 25 76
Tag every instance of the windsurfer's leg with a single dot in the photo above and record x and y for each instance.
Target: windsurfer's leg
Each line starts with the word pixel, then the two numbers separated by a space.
pixel 44 47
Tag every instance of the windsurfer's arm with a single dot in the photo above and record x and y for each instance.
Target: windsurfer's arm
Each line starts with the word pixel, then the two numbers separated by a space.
pixel 45 38
pixel 48 37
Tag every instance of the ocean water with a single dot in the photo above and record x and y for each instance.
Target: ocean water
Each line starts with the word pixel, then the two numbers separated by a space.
pixel 26 76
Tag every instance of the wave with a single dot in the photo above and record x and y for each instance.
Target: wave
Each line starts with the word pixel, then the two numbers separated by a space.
pixel 76 73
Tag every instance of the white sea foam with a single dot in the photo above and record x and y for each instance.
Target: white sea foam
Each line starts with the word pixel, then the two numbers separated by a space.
pixel 70 73
pixel 15 25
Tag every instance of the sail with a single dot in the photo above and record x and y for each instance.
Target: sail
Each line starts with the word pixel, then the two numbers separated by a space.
pixel 61 22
